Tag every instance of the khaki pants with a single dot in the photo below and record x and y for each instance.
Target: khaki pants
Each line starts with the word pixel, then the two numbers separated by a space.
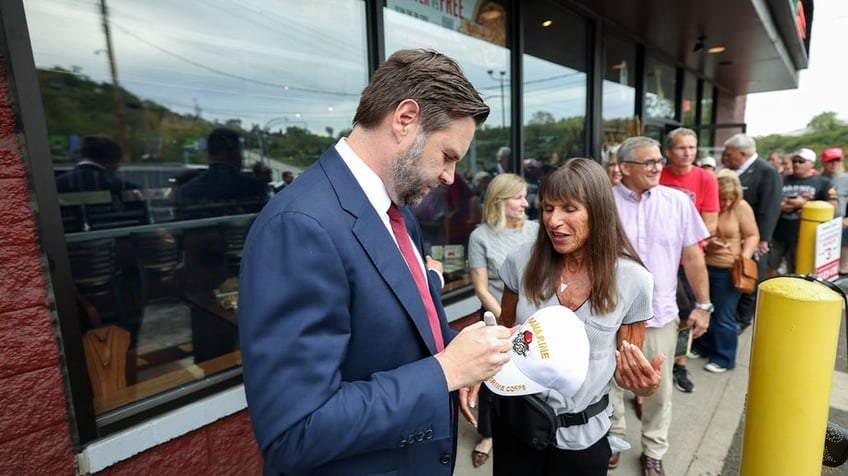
pixel 656 409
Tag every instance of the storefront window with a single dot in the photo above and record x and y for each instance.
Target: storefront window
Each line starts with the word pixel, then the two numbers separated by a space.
pixel 660 96
pixel 690 99
pixel 474 33
pixel 619 92
pixel 554 90
pixel 170 125
pixel 707 133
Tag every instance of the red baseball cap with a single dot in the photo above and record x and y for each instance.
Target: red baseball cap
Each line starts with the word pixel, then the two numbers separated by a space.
pixel 832 153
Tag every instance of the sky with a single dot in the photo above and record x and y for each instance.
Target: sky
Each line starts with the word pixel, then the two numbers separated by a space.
pixel 822 86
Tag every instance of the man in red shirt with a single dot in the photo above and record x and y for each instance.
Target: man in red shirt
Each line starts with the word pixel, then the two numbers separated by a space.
pixel 681 148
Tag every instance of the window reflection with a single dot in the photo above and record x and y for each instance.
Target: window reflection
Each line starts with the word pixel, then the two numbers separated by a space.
pixel 476 39
pixel 168 132
pixel 690 98
pixel 619 93
pixel 660 92
pixel 555 89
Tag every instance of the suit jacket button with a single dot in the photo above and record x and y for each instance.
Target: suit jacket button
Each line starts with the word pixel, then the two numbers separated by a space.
pixel 419 436
pixel 411 438
pixel 428 435
pixel 445 458
pixel 402 443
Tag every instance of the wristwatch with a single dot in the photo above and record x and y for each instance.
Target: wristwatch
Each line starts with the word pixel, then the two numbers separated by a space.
pixel 705 306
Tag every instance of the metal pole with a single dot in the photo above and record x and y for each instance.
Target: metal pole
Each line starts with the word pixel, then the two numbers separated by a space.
pixel 813 214
pixel 796 332
pixel 503 99
pixel 503 108
pixel 117 96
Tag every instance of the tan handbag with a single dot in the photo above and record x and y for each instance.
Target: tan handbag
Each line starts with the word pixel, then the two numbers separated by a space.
pixel 743 274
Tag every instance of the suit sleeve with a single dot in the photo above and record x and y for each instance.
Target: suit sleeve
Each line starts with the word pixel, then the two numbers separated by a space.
pixel 295 329
pixel 771 194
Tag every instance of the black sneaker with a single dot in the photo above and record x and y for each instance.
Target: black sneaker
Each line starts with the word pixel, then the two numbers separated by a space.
pixel 681 379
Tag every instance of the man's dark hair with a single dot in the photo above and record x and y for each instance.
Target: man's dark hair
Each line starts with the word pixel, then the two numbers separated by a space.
pixel 222 143
pixel 435 81
pixel 101 149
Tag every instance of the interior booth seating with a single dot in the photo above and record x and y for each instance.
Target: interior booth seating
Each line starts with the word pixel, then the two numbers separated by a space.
pixel 159 257
pixel 96 274
pixel 233 236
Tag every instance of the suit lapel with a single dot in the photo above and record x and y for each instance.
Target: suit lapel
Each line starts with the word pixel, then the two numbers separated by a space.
pixel 377 243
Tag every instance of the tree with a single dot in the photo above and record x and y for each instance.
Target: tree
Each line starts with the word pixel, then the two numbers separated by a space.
pixel 825 121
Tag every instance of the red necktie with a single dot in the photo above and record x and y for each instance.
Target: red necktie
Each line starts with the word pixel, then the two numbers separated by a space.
pixel 403 241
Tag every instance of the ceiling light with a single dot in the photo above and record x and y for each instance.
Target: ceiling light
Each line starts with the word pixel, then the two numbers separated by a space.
pixel 491 14
pixel 619 66
pixel 547 23
pixel 716 49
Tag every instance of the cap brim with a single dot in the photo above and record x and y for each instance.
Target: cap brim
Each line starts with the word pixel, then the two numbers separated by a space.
pixel 510 381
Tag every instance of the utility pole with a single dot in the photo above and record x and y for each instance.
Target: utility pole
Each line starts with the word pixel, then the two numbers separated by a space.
pixel 503 109
pixel 117 96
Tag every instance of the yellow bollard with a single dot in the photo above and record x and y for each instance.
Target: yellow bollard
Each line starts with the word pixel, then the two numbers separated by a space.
pixel 813 214
pixel 792 359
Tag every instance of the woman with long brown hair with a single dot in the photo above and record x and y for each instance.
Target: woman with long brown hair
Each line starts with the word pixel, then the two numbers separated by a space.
pixel 583 260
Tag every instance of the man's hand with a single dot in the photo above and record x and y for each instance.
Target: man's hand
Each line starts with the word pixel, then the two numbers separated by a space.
pixel 434 264
pixel 475 354
pixel 699 321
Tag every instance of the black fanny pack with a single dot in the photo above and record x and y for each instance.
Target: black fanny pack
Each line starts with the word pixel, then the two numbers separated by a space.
pixel 534 422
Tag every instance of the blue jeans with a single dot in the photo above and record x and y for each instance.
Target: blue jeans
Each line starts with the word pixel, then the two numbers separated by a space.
pixel 719 343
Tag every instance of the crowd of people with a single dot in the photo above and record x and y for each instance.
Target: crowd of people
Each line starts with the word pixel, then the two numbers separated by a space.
pixel 620 260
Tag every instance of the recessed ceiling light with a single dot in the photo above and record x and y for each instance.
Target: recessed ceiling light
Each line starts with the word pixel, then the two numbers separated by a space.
pixel 490 14
pixel 716 49
pixel 547 23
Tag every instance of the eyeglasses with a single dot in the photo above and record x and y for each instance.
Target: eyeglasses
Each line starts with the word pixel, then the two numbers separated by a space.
pixel 648 163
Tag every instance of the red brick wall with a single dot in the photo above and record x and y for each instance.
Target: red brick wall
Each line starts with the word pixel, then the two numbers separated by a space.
pixel 34 431
pixel 34 424
pixel 226 447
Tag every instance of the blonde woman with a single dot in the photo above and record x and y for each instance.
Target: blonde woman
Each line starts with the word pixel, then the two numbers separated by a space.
pixel 737 234
pixel 504 226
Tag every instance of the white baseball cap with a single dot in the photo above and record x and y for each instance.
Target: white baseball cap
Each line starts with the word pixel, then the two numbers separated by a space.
pixel 549 351
pixel 805 154
pixel 709 160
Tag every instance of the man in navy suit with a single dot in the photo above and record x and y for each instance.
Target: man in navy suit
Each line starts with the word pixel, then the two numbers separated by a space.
pixel 342 368
pixel 222 189
pixel 101 156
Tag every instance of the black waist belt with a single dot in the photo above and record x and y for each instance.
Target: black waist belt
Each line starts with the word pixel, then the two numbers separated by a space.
pixel 571 419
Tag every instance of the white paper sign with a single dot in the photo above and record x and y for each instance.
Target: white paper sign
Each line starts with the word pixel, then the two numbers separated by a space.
pixel 828 246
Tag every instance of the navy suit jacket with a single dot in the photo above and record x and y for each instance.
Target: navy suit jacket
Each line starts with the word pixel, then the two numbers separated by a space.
pixel 336 345
pixel 762 188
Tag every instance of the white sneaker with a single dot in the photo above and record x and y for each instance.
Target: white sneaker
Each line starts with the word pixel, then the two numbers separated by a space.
pixel 693 355
pixel 716 369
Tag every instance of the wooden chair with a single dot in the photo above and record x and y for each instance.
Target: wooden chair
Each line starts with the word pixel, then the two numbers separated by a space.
pixel 108 358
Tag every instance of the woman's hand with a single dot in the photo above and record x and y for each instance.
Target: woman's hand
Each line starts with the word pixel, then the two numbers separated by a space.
pixel 633 371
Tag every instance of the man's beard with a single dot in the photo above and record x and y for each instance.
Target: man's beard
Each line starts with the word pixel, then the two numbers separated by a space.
pixel 410 187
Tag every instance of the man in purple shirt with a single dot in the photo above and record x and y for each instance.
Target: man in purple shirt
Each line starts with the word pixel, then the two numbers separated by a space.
pixel 665 228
